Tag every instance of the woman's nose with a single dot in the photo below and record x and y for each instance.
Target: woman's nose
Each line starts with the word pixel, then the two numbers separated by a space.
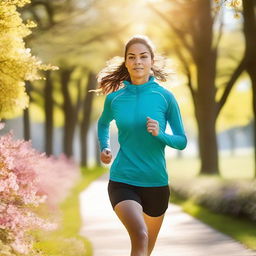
pixel 137 60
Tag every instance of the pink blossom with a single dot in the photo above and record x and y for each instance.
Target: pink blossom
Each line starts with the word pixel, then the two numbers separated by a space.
pixel 28 179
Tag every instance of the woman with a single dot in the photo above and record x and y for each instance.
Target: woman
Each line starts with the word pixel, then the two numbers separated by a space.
pixel 138 186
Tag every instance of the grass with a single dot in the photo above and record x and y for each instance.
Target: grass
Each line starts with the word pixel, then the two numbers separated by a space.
pixel 67 236
pixel 231 167
pixel 242 230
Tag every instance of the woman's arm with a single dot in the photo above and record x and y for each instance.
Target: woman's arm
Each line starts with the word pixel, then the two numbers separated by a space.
pixel 178 140
pixel 104 123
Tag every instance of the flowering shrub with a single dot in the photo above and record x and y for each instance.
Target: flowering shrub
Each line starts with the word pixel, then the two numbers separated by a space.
pixel 56 176
pixel 27 180
pixel 235 197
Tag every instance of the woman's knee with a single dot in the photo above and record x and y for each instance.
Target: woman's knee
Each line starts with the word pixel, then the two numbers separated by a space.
pixel 140 235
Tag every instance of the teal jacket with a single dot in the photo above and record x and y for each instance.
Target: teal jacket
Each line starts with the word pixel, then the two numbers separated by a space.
pixel 140 160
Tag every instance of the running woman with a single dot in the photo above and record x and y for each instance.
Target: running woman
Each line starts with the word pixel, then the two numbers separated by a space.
pixel 138 185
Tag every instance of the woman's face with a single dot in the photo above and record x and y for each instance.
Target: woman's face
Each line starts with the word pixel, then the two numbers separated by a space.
pixel 138 61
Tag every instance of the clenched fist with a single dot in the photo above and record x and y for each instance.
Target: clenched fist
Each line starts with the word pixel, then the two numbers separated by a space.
pixel 152 126
pixel 106 156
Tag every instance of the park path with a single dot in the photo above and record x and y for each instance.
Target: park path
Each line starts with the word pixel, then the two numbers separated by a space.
pixel 180 235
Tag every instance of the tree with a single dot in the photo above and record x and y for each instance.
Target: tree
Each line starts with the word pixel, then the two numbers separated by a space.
pixel 249 14
pixel 85 123
pixel 16 62
pixel 49 108
pixel 69 36
pixel 26 114
pixel 193 22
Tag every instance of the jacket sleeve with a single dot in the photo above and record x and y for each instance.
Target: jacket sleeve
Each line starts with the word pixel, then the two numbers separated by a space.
pixel 104 124
pixel 178 140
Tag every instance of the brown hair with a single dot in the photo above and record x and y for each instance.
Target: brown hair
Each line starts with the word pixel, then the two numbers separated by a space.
pixel 111 77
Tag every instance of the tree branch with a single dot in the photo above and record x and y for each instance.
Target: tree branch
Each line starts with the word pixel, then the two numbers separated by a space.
pixel 179 32
pixel 79 104
pixel 240 68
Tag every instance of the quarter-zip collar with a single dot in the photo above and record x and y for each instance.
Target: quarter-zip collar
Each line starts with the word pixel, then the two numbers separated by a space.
pixel 137 88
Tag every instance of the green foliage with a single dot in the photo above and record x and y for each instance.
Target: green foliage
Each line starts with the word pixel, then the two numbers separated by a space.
pixel 80 35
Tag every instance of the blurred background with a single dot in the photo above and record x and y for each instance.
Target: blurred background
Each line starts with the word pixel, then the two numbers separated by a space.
pixel 210 47
pixel 211 53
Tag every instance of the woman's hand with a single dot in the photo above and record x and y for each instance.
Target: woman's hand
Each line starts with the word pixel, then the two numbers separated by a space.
pixel 152 126
pixel 106 156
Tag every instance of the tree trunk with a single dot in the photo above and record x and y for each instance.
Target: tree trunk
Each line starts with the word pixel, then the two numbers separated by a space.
pixel 26 117
pixel 87 108
pixel 26 123
pixel 208 149
pixel 205 60
pixel 69 117
pixel 251 71
pixel 48 108
pixel 249 14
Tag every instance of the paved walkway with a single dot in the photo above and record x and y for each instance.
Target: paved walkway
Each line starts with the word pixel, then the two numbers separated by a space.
pixel 180 235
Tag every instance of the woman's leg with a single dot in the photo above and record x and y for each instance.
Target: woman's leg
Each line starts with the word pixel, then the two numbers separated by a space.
pixel 131 215
pixel 153 226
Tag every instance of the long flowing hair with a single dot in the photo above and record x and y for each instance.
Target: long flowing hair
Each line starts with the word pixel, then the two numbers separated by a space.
pixel 111 77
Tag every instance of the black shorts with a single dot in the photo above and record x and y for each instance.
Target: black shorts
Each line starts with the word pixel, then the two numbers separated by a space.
pixel 154 200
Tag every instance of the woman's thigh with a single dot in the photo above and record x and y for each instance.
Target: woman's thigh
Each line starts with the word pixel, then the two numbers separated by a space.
pixel 131 215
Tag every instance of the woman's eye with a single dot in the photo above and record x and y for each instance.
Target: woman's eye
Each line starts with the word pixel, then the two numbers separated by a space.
pixel 132 57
